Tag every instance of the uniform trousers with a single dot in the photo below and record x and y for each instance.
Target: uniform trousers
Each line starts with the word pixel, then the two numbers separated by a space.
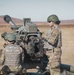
pixel 54 56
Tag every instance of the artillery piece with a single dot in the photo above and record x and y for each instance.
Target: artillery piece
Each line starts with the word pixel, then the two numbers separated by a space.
pixel 30 36
pixel 33 44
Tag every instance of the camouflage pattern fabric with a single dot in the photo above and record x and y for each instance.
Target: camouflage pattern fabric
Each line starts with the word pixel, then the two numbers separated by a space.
pixel 13 56
pixel 54 50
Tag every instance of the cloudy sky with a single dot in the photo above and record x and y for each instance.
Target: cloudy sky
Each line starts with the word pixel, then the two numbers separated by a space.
pixel 37 10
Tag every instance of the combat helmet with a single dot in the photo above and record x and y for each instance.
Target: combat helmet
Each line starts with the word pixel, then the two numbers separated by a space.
pixel 53 18
pixel 10 37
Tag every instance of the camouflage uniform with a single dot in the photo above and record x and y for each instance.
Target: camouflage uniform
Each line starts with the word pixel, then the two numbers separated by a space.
pixel 14 52
pixel 13 57
pixel 53 46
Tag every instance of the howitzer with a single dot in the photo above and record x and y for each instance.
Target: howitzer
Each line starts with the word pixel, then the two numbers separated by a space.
pixel 29 35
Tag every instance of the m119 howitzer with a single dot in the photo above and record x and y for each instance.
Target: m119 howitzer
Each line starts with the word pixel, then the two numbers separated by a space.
pixel 32 40
pixel 30 36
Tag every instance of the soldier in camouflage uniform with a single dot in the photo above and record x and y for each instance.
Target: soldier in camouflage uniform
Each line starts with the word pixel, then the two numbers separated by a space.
pixel 13 55
pixel 53 45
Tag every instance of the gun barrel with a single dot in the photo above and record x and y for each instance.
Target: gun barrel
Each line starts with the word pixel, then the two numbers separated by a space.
pixel 8 19
pixel 69 68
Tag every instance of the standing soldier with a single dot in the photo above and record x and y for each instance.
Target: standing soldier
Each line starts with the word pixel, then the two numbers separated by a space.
pixel 53 39
pixel 13 55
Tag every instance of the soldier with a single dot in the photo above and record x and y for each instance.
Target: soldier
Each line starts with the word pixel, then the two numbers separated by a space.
pixel 13 55
pixel 53 45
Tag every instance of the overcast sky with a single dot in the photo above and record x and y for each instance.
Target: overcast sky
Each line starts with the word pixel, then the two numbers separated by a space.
pixel 37 10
